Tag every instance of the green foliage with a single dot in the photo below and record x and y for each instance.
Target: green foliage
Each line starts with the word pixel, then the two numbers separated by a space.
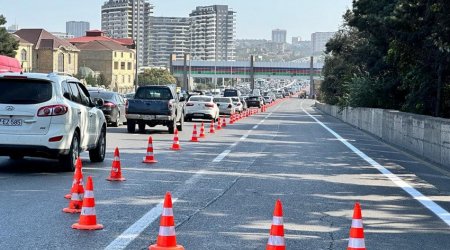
pixel 156 77
pixel 391 54
pixel 91 80
pixel 8 45
pixel 102 81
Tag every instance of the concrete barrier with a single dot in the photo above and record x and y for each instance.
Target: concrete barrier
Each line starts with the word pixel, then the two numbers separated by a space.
pixel 426 136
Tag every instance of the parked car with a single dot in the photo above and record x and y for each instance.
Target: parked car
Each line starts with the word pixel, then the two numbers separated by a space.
pixel 268 99
pixel 113 107
pixel 255 101
pixel 50 116
pixel 155 105
pixel 225 105
pixel 201 107
pixel 238 104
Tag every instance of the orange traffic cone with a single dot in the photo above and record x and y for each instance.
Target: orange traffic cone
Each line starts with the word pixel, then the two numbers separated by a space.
pixel 276 238
pixel 77 191
pixel 202 131
pixel 69 195
pixel 356 240
pixel 224 123
pixel 176 141
pixel 167 240
pixel 194 134
pixel 219 124
pixel 150 157
pixel 116 170
pixel 88 217
pixel 211 128
pixel 232 119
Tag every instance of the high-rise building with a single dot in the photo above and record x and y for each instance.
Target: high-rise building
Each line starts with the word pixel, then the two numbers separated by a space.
pixel 213 33
pixel 279 36
pixel 296 40
pixel 77 28
pixel 168 35
pixel 120 20
pixel 319 40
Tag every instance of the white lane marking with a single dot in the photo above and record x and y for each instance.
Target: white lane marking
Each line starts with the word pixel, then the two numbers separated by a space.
pixel 427 202
pixel 220 157
pixel 255 127
pixel 123 240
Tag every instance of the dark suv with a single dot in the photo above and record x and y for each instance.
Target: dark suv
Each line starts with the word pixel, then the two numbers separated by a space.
pixel 255 101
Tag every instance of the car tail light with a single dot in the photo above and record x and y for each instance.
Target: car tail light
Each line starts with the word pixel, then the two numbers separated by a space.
pixel 189 104
pixel 230 106
pixel 209 105
pixel 55 139
pixel 53 110
pixel 109 105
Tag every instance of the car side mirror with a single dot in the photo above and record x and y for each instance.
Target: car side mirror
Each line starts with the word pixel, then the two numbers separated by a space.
pixel 99 102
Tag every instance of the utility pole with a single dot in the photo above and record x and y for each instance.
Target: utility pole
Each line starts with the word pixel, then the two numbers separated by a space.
pixel 137 44
pixel 311 79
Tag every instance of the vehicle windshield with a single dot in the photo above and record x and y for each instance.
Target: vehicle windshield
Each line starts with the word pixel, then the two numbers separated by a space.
pixel 107 96
pixel 235 99
pixel 254 98
pixel 153 94
pixel 24 91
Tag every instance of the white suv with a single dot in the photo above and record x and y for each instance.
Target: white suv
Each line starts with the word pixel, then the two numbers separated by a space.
pixel 51 116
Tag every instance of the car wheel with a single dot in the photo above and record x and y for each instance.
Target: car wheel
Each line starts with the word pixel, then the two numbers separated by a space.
pixel 131 126
pixel 116 123
pixel 172 127
pixel 67 162
pixel 141 126
pixel 16 157
pixel 180 127
pixel 98 153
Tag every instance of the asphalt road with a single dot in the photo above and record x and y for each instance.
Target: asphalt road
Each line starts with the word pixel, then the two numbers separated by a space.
pixel 225 188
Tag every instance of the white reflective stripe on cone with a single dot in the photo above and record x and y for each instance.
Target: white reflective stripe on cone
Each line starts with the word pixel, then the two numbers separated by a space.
pixel 116 158
pixel 166 231
pixel 278 221
pixel 276 240
pixel 88 211
pixel 356 243
pixel 167 212
pixel 357 223
pixel 77 197
pixel 88 194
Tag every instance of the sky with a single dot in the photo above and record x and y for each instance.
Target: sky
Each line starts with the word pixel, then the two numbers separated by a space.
pixel 255 19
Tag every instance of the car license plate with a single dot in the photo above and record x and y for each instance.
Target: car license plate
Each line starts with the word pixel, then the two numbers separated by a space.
pixel 149 117
pixel 10 122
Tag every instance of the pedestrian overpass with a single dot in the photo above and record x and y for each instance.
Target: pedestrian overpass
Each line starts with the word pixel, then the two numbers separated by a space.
pixel 243 69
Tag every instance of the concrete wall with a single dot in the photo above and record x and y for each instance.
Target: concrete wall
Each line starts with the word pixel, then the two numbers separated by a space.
pixel 425 136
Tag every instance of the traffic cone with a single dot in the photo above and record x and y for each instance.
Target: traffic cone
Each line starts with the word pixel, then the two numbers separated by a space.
pixel 219 124
pixel 194 134
pixel 116 170
pixel 202 131
pixel 176 142
pixel 167 239
pixel 69 195
pixel 77 191
pixel 150 158
pixel 224 123
pixel 276 238
pixel 211 128
pixel 356 240
pixel 88 217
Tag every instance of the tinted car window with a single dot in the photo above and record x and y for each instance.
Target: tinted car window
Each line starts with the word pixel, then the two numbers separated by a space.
pixel 235 99
pixel 108 96
pixel 222 100
pixel 254 98
pixel 24 91
pixel 83 96
pixel 200 99
pixel 230 92
pixel 154 94
pixel 66 90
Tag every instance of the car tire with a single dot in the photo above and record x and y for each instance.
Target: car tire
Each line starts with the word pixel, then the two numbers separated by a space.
pixel 180 127
pixel 116 123
pixel 141 126
pixel 98 153
pixel 67 162
pixel 131 126
pixel 171 127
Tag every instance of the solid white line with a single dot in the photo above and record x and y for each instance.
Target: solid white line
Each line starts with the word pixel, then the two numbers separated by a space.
pixel 255 127
pixel 244 137
pixel 427 202
pixel 220 157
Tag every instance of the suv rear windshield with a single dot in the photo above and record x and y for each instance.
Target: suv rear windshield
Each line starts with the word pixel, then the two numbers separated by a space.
pixel 222 100
pixel 153 94
pixel 200 99
pixel 254 98
pixel 230 92
pixel 24 91
pixel 104 95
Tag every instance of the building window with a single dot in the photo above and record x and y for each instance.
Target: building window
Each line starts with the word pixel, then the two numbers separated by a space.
pixel 122 65
pixel 115 54
pixel 129 79
pixel 61 62
pixel 130 67
pixel 121 55
pixel 23 55
pixel 70 58
pixel 116 65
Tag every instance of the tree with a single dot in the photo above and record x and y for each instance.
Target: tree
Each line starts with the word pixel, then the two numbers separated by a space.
pixel 8 45
pixel 156 77
pixel 91 80
pixel 102 81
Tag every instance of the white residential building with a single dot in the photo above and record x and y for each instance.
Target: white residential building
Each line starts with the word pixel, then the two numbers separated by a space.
pixel 319 40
